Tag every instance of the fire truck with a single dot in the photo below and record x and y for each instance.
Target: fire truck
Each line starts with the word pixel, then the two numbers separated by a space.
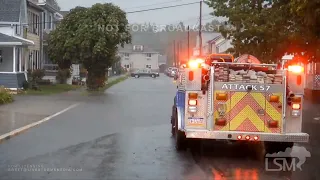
pixel 220 99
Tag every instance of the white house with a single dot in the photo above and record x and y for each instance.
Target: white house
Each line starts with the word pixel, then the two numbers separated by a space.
pixel 135 57
pixel 207 37
pixel 212 42
pixel 12 43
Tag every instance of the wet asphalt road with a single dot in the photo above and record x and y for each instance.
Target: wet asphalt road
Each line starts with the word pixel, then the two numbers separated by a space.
pixel 125 134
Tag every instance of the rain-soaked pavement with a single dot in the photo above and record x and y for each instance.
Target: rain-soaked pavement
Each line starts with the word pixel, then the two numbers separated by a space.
pixel 125 134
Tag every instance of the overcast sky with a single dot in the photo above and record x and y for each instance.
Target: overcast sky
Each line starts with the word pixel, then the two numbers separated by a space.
pixel 187 14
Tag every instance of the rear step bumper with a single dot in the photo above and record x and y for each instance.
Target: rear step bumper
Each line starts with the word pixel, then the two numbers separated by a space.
pixel 233 135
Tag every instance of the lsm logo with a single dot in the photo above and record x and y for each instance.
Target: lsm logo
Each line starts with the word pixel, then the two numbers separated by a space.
pixel 289 160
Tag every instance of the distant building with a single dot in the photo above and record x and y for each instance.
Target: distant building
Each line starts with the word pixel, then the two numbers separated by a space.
pixel 162 59
pixel 135 57
pixel 212 42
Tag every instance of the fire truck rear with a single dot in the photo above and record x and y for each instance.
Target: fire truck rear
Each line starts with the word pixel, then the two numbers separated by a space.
pixel 224 100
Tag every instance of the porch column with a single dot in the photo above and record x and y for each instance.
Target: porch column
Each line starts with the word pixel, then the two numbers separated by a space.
pixel 14 59
pixel 20 59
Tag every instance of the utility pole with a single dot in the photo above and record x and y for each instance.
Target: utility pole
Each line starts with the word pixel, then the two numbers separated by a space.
pixel 188 43
pixel 200 29
pixel 174 52
pixel 178 59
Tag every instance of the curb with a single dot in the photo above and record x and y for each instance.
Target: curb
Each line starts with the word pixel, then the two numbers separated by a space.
pixel 16 132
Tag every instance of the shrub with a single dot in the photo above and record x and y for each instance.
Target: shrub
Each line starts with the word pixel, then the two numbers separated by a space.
pixel 83 73
pixel 37 74
pixel 63 75
pixel 5 96
pixel 44 82
pixel 25 85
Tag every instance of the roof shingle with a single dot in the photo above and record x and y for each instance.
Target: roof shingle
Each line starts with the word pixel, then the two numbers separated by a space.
pixel 10 10
pixel 5 38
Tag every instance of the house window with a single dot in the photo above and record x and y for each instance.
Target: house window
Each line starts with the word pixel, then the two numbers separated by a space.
pixel 148 66
pixel 33 21
pixel 50 22
pixel 148 55
pixel 126 66
pixel 18 30
pixel 137 48
pixel 37 59
pixel 126 54
pixel 1 59
pixel 44 20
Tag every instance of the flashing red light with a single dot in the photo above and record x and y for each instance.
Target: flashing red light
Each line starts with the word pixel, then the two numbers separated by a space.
pixel 256 138
pixel 296 69
pixel 239 137
pixel 247 137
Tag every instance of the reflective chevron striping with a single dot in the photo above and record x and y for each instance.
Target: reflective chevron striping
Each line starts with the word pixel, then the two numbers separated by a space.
pixel 246 113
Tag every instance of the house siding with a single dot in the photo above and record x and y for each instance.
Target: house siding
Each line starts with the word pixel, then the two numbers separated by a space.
pixel 12 80
pixel 224 46
pixel 33 54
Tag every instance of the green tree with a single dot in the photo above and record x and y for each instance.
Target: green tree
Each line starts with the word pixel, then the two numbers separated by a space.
pixel 306 13
pixel 62 49
pixel 253 26
pixel 90 36
pixel 270 28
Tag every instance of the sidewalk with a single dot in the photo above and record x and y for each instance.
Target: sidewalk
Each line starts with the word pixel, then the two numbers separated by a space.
pixel 28 109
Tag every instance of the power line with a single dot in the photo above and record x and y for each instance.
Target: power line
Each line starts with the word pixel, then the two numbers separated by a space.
pixel 176 22
pixel 192 18
pixel 153 4
pixel 152 9
pixel 165 7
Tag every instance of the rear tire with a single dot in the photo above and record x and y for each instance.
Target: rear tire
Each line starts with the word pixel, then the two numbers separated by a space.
pixel 153 76
pixel 173 129
pixel 180 137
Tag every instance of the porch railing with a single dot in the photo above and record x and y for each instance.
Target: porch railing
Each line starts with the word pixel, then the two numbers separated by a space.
pixel 50 67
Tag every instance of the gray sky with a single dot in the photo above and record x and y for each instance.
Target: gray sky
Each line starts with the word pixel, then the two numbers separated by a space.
pixel 187 14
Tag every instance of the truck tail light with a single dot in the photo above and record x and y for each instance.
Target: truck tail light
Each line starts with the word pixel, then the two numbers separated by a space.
pixel 299 80
pixel 192 102
pixel 296 106
pixel 221 122
pixel 296 99
pixel 191 76
pixel 221 96
pixel 274 98
pixel 193 95
pixel 273 124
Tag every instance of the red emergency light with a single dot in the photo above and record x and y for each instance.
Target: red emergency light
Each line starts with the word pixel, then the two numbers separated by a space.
pixel 296 69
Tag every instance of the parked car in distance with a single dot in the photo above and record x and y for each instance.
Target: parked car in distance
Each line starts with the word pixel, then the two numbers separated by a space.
pixel 173 72
pixel 144 73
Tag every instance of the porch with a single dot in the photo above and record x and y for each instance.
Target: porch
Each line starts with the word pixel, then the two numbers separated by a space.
pixel 12 61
